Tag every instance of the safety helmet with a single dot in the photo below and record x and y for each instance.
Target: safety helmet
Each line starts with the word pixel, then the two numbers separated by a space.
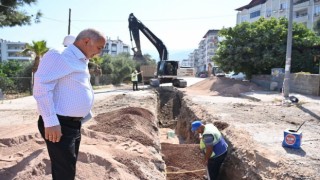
pixel 195 125
pixel 69 39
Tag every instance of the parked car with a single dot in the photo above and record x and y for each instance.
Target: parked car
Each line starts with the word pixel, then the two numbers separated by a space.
pixel 238 76
pixel 216 71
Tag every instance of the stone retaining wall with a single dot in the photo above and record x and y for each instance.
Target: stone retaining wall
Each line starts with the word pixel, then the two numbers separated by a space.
pixel 308 84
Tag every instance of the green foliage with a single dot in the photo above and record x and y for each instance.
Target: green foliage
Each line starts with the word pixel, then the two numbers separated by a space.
pixel 316 26
pixel 256 48
pixel 97 60
pixel 38 49
pixel 8 70
pixel 118 67
pixel 11 13
pixel 148 60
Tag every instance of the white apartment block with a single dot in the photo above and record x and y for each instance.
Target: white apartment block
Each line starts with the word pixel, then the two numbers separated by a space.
pixel 115 47
pixel 186 63
pixel 304 11
pixel 202 56
pixel 12 51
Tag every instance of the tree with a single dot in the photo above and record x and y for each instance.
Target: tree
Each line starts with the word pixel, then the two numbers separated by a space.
pixel 256 48
pixel 8 70
pixel 316 26
pixel 118 67
pixel 38 49
pixel 12 15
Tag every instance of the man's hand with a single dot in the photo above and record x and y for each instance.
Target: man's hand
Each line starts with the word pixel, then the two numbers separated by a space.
pixel 53 133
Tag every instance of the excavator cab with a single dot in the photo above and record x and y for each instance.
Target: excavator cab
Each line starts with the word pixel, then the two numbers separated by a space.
pixel 168 72
pixel 167 68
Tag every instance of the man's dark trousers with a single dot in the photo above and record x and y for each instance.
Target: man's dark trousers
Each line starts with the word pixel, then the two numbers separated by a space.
pixel 134 85
pixel 214 165
pixel 64 154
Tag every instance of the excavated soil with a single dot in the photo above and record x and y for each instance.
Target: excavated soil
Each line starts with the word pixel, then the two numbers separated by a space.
pixel 182 161
pixel 128 136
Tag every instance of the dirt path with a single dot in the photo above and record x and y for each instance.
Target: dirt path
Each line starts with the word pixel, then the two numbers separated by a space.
pixel 123 140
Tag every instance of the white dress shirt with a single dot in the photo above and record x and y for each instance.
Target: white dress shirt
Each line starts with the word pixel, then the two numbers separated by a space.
pixel 62 85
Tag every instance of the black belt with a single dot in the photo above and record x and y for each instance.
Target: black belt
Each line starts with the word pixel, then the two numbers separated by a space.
pixel 69 118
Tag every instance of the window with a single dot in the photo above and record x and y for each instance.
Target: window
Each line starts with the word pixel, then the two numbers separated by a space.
pixel 301 14
pixel 113 48
pixel 254 14
pixel 283 6
pixel 243 18
pixel 268 14
pixel 317 10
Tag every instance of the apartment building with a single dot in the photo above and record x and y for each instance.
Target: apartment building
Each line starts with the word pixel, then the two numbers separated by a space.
pixel 202 56
pixel 115 47
pixel 304 11
pixel 12 51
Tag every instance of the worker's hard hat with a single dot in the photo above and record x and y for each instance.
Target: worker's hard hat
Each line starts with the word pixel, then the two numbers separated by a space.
pixel 68 40
pixel 195 125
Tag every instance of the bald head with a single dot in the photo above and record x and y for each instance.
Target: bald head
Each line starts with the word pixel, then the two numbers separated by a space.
pixel 90 42
pixel 90 33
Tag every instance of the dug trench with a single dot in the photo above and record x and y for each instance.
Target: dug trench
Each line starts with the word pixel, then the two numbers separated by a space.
pixel 179 160
pixel 184 160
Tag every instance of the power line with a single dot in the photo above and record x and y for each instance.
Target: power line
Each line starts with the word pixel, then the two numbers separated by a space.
pixel 52 19
pixel 169 19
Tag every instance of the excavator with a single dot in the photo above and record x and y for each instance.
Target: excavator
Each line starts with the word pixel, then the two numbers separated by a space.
pixel 167 70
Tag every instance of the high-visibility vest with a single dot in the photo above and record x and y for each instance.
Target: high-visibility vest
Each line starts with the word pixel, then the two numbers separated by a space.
pixel 219 144
pixel 134 76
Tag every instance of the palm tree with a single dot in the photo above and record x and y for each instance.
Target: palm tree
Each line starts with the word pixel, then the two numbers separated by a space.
pixel 38 49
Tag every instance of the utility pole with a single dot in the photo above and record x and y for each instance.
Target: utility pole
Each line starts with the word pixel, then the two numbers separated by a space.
pixel 286 81
pixel 69 21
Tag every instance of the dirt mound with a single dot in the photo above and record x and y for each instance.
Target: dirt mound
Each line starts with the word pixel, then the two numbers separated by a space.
pixel 221 125
pixel 222 86
pixel 184 161
pixel 131 122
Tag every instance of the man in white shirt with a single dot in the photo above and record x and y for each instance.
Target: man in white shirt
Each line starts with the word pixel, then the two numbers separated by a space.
pixel 64 97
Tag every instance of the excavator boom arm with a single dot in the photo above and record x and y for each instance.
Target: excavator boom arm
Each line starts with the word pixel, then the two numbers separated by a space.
pixel 135 26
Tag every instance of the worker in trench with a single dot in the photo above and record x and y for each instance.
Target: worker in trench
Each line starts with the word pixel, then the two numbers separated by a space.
pixel 213 145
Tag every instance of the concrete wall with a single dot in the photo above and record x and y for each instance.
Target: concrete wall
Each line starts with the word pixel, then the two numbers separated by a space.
pixel 308 84
pixel 305 84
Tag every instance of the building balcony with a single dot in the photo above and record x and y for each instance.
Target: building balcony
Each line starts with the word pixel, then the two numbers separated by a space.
pixel 301 19
pixel 14 50
pixel 299 2
pixel 20 58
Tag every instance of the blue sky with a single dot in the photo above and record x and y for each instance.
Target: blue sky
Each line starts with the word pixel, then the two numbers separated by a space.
pixel 180 24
